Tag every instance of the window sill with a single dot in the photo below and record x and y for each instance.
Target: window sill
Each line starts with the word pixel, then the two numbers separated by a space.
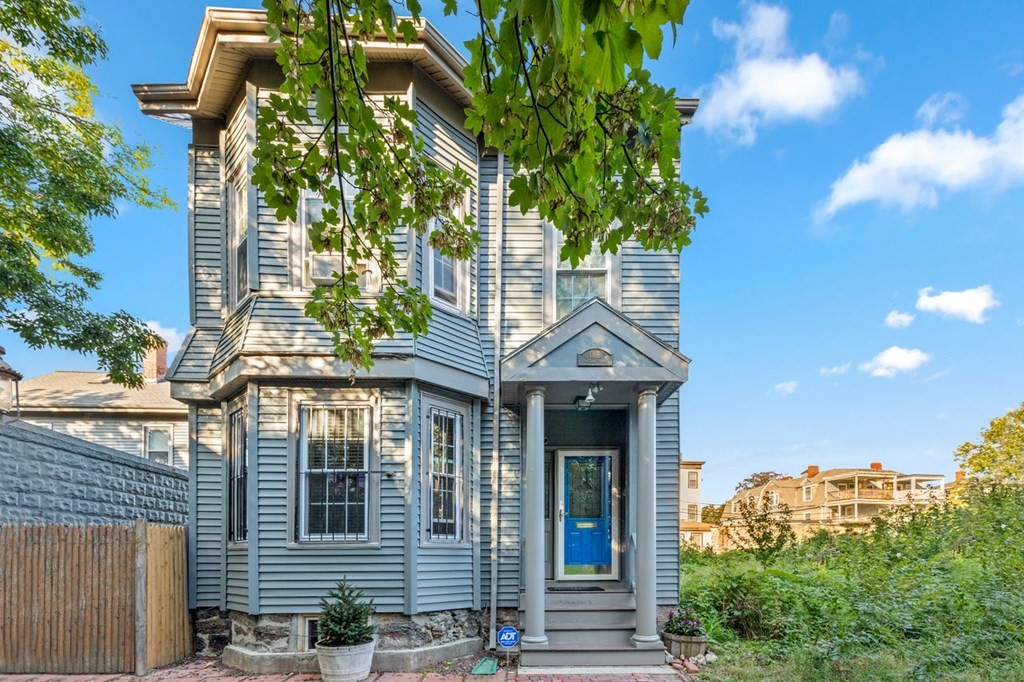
pixel 446 544
pixel 328 544
pixel 448 307
pixel 238 545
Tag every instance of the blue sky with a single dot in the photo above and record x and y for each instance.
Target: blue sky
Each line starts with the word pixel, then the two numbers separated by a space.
pixel 863 161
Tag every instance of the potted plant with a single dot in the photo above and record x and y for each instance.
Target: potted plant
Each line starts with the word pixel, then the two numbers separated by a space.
pixel 346 636
pixel 684 635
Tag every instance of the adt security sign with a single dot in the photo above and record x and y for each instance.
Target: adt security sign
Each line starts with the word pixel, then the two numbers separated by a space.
pixel 508 637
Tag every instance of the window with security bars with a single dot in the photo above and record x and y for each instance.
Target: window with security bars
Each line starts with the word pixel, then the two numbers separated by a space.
pixel 576 286
pixel 445 474
pixel 238 472
pixel 333 473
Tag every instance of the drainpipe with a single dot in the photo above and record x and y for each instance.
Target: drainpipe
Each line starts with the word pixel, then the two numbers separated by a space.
pixel 499 233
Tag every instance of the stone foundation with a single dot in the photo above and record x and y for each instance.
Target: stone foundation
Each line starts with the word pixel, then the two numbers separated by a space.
pixel 505 617
pixel 274 644
pixel 213 631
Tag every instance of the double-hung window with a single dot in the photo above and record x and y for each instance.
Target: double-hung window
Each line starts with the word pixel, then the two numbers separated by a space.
pixel 575 286
pixel 321 267
pixel 807 493
pixel 444 467
pixel 334 471
pixel 237 239
pixel 692 480
pixel 447 274
pixel 237 474
pixel 691 513
pixel 445 474
pixel 158 445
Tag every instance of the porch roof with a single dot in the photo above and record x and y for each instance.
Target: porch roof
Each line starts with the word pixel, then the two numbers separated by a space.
pixel 594 344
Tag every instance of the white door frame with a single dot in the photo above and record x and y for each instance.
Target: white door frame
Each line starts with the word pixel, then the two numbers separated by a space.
pixel 559 519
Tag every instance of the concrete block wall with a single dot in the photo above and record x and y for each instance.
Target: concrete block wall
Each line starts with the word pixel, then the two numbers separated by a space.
pixel 50 477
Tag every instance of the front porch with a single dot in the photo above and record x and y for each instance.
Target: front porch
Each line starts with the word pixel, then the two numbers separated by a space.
pixel 588 390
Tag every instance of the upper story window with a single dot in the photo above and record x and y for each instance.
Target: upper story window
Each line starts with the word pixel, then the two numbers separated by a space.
pixel 158 445
pixel 575 286
pixel 334 470
pixel 692 479
pixel 235 457
pixel 447 278
pixel 773 498
pixel 320 268
pixel 237 239
pixel 807 493
pixel 691 513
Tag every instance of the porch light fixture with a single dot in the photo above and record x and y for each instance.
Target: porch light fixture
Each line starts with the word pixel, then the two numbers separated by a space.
pixel 8 387
pixel 583 404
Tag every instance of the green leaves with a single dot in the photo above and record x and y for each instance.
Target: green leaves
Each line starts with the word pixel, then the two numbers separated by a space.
pixel 60 168
pixel 558 86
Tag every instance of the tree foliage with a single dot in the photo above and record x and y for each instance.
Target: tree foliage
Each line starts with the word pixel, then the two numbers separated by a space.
pixel 757 479
pixel 712 513
pixel 766 529
pixel 61 167
pixel 999 454
pixel 559 88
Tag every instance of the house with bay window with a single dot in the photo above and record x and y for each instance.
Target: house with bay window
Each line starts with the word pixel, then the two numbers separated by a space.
pixel 516 465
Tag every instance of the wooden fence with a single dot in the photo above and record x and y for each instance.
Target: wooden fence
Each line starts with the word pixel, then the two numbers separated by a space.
pixel 92 599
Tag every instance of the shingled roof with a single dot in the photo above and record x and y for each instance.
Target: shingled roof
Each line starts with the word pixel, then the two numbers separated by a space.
pixel 72 391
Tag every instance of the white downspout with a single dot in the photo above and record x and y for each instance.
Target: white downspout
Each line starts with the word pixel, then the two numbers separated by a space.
pixel 499 241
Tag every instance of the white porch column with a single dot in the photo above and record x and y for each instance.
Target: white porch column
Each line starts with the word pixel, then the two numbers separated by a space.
pixel 534 531
pixel 646 522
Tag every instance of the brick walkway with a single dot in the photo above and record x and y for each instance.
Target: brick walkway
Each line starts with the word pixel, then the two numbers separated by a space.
pixel 207 671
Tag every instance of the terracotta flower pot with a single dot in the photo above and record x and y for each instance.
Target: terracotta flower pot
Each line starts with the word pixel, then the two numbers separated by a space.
pixel 684 647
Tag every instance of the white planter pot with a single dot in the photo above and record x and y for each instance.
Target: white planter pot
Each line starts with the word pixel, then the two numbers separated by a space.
pixel 345 663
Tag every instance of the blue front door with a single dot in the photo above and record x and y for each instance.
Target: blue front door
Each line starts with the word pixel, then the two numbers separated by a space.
pixel 587 515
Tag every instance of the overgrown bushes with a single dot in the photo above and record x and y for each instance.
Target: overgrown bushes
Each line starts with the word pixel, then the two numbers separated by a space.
pixel 935 592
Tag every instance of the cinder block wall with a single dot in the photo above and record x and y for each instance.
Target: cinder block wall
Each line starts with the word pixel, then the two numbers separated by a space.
pixel 49 477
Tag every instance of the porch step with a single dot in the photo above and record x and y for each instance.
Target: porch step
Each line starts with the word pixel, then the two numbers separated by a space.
pixel 595 634
pixel 585 601
pixel 591 655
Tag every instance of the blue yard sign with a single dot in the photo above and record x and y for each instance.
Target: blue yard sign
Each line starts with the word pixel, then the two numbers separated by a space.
pixel 508 637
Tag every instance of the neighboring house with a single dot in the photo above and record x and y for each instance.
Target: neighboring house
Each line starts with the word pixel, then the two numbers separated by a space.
pixel 834 499
pixel 146 422
pixel 464 482
pixel 692 529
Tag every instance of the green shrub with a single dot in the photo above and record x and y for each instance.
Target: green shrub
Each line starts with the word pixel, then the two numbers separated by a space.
pixel 345 617
pixel 935 592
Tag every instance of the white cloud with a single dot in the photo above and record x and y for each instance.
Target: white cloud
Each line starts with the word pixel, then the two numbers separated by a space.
pixel 909 170
pixel 969 304
pixel 893 361
pixel 896 319
pixel 769 83
pixel 172 336
pixel 838 27
pixel 835 370
pixel 946 107
pixel 786 387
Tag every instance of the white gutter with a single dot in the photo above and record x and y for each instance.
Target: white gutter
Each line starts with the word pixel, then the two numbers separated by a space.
pixel 499 232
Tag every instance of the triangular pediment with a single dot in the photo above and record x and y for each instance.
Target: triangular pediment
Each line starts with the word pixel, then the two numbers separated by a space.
pixel 596 340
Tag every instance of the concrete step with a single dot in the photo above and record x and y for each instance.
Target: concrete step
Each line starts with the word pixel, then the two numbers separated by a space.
pixel 592 635
pixel 583 618
pixel 568 601
pixel 591 655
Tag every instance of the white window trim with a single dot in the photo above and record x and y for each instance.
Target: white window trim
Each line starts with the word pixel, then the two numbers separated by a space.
pixel 773 498
pixel 236 404
pixel 808 493
pixel 613 280
pixel 306 255
pixel 461 271
pixel 372 501
pixel 237 195
pixel 694 475
pixel 304 623
pixel 169 430
pixel 427 402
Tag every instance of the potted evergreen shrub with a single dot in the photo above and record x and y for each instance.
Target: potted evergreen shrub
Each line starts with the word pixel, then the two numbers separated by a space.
pixel 346 636
pixel 684 635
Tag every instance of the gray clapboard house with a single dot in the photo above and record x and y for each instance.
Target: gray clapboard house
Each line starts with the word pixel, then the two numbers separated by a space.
pixel 518 464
